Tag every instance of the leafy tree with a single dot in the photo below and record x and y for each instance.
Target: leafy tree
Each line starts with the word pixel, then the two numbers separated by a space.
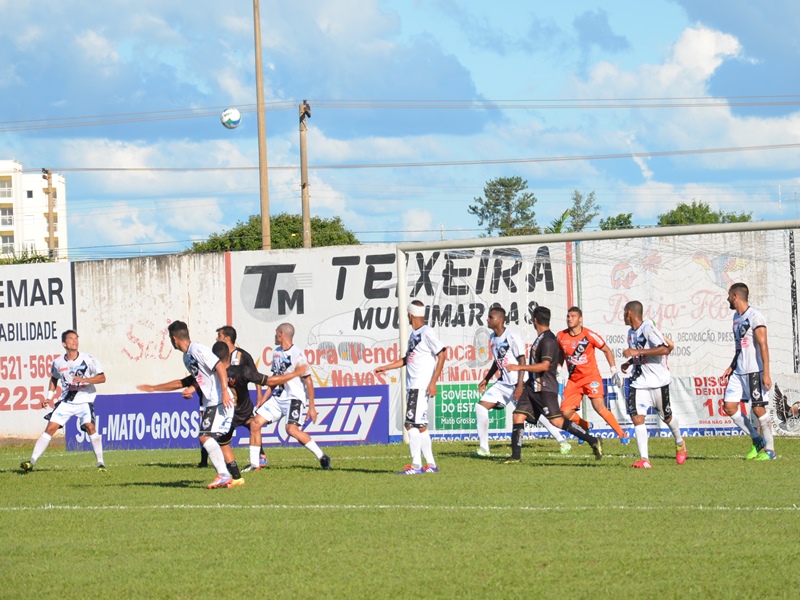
pixel 700 213
pixel 286 231
pixel 507 208
pixel 583 210
pixel 621 221
pixel 557 225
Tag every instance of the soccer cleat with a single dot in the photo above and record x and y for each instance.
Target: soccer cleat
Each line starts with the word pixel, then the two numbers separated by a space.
pixel 481 453
pixel 758 445
pixel 565 447
pixel 202 465
pixel 27 467
pixel 598 449
pixel 325 462
pixel 642 464
pixel 220 481
pixel 250 468
pixel 625 440
pixel 237 482
pixel 410 470
pixel 512 461
pixel 766 455
pixel 262 461
pixel 680 453
pixel 101 469
pixel 430 469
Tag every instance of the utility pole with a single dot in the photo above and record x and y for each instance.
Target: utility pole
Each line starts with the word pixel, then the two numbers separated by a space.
pixel 305 113
pixel 47 175
pixel 263 182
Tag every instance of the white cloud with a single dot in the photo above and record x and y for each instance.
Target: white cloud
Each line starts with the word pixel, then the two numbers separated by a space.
pixel 97 48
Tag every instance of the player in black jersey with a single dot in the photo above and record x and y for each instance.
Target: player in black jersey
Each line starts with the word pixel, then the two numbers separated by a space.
pixel 540 395
pixel 238 356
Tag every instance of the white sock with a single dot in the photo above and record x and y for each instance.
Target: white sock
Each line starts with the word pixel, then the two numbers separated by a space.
pixel 415 446
pixel 254 453
pixel 40 447
pixel 427 447
pixel 215 456
pixel 675 428
pixel 640 431
pixel 744 424
pixel 482 416
pixel 551 429
pixel 766 431
pixel 312 446
pixel 97 446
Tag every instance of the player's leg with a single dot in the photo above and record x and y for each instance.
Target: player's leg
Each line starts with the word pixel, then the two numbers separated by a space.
pixel 758 405
pixel 496 397
pixel 573 395
pixel 636 404
pixel 44 441
pixel 421 424
pixel 297 416
pixel 224 442
pixel 599 405
pixel 665 412
pixel 736 391
pixel 413 433
pixel 214 424
pixel 87 420
pixel 521 414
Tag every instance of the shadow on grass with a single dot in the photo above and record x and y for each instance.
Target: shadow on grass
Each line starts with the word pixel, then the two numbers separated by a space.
pixel 183 483
pixel 191 466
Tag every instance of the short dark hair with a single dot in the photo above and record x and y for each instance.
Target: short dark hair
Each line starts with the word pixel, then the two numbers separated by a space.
pixel 498 309
pixel 179 329
pixel 542 315
pixel 229 332
pixel 66 333
pixel 575 309
pixel 635 307
pixel 741 290
pixel 221 350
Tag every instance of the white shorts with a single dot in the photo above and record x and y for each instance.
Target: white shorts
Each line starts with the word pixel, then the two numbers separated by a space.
pixel 216 420
pixel 746 388
pixel 500 394
pixel 276 408
pixel 417 408
pixel 639 400
pixel 84 412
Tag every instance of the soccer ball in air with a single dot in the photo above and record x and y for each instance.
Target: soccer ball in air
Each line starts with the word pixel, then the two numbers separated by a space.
pixel 231 118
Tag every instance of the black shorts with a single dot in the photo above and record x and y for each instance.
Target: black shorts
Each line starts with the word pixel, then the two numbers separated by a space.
pixel 535 404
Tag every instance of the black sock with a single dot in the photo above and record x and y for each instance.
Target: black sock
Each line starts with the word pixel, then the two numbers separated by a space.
pixel 261 451
pixel 234 469
pixel 516 440
pixel 578 431
pixel 203 456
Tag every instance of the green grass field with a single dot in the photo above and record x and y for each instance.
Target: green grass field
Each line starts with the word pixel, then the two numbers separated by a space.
pixel 552 527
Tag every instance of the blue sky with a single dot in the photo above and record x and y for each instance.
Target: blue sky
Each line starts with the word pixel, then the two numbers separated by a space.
pixel 538 73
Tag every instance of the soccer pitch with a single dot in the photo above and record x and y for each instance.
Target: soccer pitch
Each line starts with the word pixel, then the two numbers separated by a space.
pixel 552 527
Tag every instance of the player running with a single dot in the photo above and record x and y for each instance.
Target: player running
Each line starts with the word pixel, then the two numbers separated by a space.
pixel 650 378
pixel 77 373
pixel 506 347
pixel 748 375
pixel 540 396
pixel 578 345
pixel 292 398
pixel 424 362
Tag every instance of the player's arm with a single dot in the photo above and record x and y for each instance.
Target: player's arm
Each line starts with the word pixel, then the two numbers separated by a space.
pixel 51 392
pixel 760 333
pixel 520 380
pixel 538 367
pixel 312 410
pixel 222 373
pixel 169 386
pixel 400 362
pixel 485 381
pixel 99 378
pixel 437 371
pixel 276 380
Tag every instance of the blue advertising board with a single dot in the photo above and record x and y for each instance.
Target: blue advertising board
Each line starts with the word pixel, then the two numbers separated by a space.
pixel 346 415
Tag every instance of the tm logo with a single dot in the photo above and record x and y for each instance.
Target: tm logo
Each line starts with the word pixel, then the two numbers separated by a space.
pixel 262 298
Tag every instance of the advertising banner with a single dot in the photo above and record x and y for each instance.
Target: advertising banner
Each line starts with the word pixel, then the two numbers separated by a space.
pixel 346 415
pixel 36 306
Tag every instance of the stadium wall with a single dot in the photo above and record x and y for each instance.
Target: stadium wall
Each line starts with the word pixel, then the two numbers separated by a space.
pixel 343 303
